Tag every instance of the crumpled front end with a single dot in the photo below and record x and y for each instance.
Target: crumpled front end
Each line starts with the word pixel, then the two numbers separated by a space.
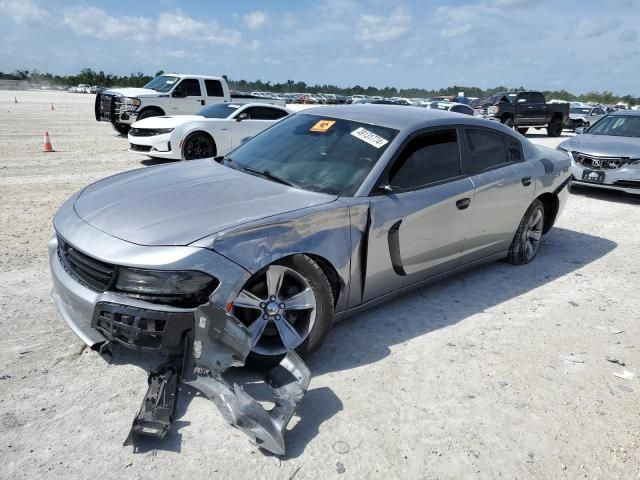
pixel 220 341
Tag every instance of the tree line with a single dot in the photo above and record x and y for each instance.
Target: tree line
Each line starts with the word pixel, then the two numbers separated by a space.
pixel 139 79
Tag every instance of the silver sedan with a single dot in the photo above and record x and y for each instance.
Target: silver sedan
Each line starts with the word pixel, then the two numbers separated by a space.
pixel 330 211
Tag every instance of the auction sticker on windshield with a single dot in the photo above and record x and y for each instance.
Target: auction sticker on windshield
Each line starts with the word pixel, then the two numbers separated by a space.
pixel 322 126
pixel 369 137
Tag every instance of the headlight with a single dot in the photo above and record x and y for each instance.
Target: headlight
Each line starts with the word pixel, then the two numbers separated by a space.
pixel 160 131
pixel 492 110
pixel 131 104
pixel 176 287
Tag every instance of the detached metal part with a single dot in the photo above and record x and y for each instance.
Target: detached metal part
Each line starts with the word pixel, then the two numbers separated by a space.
pixel 221 341
pixel 157 411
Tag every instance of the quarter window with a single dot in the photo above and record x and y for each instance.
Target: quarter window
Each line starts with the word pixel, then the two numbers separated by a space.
pixel 486 150
pixel 214 88
pixel 536 97
pixel 264 113
pixel 191 86
pixel 429 158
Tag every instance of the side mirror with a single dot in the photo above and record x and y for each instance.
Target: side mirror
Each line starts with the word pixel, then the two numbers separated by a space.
pixel 385 188
pixel 179 93
pixel 579 130
pixel 242 116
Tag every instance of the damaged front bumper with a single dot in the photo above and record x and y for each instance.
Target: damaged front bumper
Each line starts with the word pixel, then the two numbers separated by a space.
pixel 218 342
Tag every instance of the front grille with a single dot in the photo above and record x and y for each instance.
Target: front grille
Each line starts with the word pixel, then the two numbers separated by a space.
pixel 93 273
pixel 141 329
pixel 627 183
pixel 599 163
pixel 140 148
pixel 144 132
pixel 104 107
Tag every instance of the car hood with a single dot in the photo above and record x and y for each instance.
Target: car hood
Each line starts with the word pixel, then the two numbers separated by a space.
pixel 134 92
pixel 180 203
pixel 604 145
pixel 166 121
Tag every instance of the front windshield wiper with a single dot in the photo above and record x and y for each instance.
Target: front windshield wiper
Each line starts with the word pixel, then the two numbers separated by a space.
pixel 269 175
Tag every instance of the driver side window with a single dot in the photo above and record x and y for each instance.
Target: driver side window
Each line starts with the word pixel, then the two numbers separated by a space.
pixel 429 158
pixel 190 86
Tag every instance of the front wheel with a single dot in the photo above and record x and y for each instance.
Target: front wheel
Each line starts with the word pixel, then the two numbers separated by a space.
pixel 554 129
pixel 121 128
pixel 526 241
pixel 286 306
pixel 198 145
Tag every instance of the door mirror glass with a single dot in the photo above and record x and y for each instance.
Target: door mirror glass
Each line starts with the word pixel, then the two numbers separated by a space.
pixel 242 116
pixel 385 188
pixel 179 93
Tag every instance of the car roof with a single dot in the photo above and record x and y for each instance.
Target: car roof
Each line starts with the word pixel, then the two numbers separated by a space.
pixel 631 113
pixel 398 117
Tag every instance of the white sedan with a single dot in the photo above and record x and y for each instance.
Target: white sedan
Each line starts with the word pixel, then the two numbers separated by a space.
pixel 213 130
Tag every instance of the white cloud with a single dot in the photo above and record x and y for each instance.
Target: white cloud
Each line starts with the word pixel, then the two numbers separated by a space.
pixel 630 35
pixel 505 4
pixel 456 30
pixel 95 22
pixel 23 11
pixel 367 61
pixel 592 28
pixel 255 20
pixel 177 24
pixel 377 28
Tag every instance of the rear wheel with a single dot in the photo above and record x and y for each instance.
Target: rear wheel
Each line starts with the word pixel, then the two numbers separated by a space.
pixel 198 145
pixel 526 241
pixel 522 130
pixel 554 129
pixel 286 306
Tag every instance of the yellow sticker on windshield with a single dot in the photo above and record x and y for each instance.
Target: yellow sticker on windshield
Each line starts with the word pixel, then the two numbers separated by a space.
pixel 322 126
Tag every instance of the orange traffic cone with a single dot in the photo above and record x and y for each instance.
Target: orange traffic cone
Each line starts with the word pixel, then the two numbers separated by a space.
pixel 47 143
pixel 15 100
pixel 52 108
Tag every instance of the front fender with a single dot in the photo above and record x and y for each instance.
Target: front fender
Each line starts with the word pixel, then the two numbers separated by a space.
pixel 319 232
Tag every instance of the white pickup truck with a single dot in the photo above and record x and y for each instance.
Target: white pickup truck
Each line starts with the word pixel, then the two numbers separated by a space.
pixel 168 94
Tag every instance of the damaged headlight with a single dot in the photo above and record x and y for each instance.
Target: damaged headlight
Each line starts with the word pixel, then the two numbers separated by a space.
pixel 492 110
pixel 183 288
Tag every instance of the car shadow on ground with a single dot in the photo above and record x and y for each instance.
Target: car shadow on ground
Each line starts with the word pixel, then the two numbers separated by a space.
pixel 150 162
pixel 368 336
pixel 606 195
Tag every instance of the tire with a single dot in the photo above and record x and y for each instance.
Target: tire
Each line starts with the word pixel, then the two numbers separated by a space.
pixel 526 241
pixel 198 145
pixel 121 128
pixel 253 308
pixel 554 129
pixel 522 130
pixel 149 113
pixel 508 122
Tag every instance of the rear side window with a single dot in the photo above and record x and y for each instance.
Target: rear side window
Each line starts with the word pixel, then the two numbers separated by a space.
pixel 191 86
pixel 536 97
pixel 264 113
pixel 486 150
pixel 429 158
pixel 214 88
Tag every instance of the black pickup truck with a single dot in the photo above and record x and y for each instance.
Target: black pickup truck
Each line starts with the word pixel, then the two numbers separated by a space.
pixel 521 110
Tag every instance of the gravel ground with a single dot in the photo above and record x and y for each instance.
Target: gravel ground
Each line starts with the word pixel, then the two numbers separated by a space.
pixel 500 372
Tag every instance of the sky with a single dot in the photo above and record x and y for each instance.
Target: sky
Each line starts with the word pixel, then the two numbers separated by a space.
pixel 577 45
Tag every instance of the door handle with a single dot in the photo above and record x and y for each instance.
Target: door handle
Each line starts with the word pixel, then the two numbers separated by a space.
pixel 201 102
pixel 526 181
pixel 463 203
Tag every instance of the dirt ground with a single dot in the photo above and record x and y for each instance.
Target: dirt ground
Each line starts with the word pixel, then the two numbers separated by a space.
pixel 500 372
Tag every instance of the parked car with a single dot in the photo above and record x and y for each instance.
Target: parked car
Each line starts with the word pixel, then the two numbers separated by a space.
pixel 521 110
pixel 583 116
pixel 213 130
pixel 607 154
pixel 168 94
pixel 453 107
pixel 323 214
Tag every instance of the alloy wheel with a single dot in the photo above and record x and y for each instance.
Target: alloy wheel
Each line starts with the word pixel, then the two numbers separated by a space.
pixel 278 306
pixel 198 146
pixel 533 233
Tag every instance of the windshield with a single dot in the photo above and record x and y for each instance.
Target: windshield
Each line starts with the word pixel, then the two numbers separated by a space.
pixel 617 126
pixel 162 84
pixel 580 111
pixel 218 110
pixel 322 154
